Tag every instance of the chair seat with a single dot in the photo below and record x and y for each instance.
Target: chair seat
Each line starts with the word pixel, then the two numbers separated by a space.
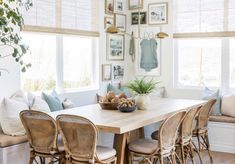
pixel 144 146
pixel 104 153
pixel 154 135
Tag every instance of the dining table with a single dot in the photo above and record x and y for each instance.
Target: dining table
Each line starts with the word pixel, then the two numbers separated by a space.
pixel 129 126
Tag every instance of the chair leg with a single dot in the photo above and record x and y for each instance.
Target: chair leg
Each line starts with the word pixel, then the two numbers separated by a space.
pixel 161 159
pixel 191 152
pixel 130 156
pixel 182 154
pixel 199 155
pixel 208 146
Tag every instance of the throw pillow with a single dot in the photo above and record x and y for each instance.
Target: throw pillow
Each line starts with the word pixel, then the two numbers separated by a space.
pixel 114 89
pixel 67 104
pixel 53 102
pixel 126 91
pixel 228 105
pixel 20 96
pixel 209 94
pixel 37 103
pixel 10 120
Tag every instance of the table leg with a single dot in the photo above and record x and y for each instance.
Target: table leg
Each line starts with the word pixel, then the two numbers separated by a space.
pixel 121 141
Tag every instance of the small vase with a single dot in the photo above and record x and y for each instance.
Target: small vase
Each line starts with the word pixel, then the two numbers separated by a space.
pixel 142 101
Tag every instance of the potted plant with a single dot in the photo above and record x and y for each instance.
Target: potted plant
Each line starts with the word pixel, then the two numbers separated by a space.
pixel 142 88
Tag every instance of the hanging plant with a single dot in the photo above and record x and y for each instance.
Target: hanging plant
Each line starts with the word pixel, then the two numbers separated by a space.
pixel 11 20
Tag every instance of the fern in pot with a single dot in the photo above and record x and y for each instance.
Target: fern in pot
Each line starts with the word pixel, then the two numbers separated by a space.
pixel 142 88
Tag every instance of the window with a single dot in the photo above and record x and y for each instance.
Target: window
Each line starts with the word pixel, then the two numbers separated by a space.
pixel 42 74
pixel 199 62
pixel 204 53
pixel 63 62
pixel 232 63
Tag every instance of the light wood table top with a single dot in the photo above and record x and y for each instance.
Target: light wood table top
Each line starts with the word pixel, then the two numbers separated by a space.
pixel 119 123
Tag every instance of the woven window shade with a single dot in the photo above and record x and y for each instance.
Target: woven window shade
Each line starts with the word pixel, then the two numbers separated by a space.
pixel 204 18
pixel 76 17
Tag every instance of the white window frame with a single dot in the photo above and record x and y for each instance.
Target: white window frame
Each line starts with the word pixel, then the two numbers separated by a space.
pixel 60 64
pixel 225 66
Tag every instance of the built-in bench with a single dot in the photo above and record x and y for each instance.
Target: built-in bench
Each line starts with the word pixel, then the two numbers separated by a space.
pixel 221 133
pixel 13 149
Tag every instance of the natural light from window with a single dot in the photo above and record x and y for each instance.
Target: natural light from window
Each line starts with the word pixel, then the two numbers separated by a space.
pixel 232 63
pixel 199 62
pixel 42 74
pixel 78 62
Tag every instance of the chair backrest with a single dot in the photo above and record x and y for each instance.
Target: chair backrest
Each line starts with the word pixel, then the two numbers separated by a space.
pixel 79 137
pixel 186 128
pixel 169 130
pixel 204 114
pixel 41 131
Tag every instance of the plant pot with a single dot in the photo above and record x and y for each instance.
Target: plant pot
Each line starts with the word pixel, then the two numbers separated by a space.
pixel 142 101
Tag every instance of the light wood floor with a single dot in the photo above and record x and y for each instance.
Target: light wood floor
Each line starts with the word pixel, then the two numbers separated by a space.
pixel 219 158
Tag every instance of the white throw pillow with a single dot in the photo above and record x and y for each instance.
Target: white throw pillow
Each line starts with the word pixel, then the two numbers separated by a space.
pixel 37 103
pixel 67 104
pixel 228 105
pixel 20 96
pixel 10 120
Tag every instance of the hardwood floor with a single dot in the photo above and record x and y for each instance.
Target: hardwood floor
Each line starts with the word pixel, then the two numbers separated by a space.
pixel 218 157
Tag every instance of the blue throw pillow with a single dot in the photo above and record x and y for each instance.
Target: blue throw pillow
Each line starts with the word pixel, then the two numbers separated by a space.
pixel 210 94
pixel 114 89
pixel 117 91
pixel 53 102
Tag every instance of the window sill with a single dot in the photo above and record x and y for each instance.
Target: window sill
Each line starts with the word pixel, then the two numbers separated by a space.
pixel 80 90
pixel 194 88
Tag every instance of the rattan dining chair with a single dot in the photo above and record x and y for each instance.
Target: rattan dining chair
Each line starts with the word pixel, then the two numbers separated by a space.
pixel 154 150
pixel 80 137
pixel 184 141
pixel 201 129
pixel 42 135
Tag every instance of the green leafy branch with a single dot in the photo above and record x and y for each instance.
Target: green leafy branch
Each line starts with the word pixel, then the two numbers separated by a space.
pixel 10 19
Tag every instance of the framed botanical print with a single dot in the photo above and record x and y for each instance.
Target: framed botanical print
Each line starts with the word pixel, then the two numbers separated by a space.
pixel 120 21
pixel 134 4
pixel 106 72
pixel 109 7
pixel 115 47
pixel 135 18
pixel 119 6
pixel 158 13
pixel 108 22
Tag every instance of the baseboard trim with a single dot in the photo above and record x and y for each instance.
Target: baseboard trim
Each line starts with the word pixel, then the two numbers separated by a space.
pixel 223 148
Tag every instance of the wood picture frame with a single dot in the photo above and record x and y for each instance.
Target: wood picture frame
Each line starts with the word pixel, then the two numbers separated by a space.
pixel 108 22
pixel 158 13
pixel 120 21
pixel 106 72
pixel 133 4
pixel 135 18
pixel 109 7
pixel 115 47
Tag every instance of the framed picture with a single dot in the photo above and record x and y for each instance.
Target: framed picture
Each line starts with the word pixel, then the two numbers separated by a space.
pixel 115 47
pixel 109 7
pixel 120 21
pixel 158 13
pixel 133 4
pixel 108 22
pixel 143 56
pixel 135 18
pixel 119 6
pixel 106 72
pixel 118 73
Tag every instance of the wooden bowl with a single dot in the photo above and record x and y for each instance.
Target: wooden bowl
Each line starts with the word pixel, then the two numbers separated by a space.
pixel 109 106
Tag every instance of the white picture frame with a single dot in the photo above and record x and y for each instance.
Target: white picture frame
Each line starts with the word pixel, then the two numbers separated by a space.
pixel 120 21
pixel 119 6
pixel 106 72
pixel 158 13
pixel 115 47
pixel 118 73
pixel 133 4
pixel 147 30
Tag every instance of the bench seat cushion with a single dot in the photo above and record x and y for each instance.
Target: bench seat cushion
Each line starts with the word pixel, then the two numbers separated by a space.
pixel 225 119
pixel 6 140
